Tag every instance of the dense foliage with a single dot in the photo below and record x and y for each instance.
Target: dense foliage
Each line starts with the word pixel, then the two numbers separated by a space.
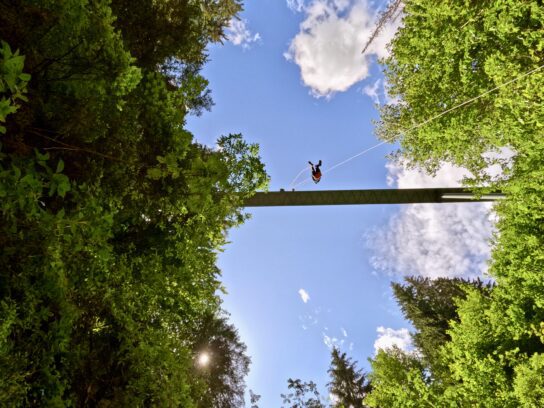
pixel 448 53
pixel 111 215
pixel 430 305
pixel 347 388
pixel 483 346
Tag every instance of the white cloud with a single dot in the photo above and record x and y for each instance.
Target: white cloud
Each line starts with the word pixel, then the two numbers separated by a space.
pixel 239 34
pixel 328 46
pixel 373 91
pixel 499 162
pixel 433 240
pixel 304 295
pixel 390 100
pixel 379 93
pixel 331 342
pixel 387 338
pixel 402 177
pixel 448 175
pixel 337 340
pixel 295 5
pixel 308 320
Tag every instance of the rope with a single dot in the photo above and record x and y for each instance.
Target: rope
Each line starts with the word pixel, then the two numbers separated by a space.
pixel 341 163
pixel 475 98
pixel 424 123
pixel 298 175
pixel 353 157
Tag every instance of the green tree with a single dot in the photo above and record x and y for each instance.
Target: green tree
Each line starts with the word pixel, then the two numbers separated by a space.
pixel 447 53
pixel 223 375
pixel 348 384
pixel 111 216
pixel 254 399
pixel 156 31
pixel 13 82
pixel 479 355
pixel 302 395
pixel 399 380
pixel 430 305
pixel 529 384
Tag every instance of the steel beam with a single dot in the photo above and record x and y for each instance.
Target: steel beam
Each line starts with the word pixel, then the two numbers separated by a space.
pixel 357 197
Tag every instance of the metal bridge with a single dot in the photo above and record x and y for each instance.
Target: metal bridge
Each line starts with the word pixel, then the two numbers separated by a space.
pixel 382 196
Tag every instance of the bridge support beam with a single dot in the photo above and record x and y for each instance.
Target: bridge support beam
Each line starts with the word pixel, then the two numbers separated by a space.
pixel 382 196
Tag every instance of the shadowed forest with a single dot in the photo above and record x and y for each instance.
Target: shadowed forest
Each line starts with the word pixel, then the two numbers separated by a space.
pixel 112 215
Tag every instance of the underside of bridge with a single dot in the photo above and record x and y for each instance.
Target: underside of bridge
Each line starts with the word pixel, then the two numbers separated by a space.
pixel 382 196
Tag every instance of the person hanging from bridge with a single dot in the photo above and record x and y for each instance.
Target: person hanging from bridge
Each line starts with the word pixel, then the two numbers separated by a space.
pixel 316 172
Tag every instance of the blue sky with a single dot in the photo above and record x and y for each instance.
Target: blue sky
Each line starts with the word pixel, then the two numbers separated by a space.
pixel 299 280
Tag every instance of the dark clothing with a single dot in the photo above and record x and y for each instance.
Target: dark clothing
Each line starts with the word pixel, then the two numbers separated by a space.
pixel 316 172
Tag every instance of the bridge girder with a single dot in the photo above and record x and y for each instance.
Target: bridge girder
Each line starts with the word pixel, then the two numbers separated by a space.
pixel 376 196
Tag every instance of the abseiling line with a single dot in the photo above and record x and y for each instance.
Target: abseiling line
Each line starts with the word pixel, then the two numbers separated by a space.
pixel 380 196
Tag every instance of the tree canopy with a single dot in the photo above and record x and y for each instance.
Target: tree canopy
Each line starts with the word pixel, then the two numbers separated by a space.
pixel 445 54
pixel 476 345
pixel 111 215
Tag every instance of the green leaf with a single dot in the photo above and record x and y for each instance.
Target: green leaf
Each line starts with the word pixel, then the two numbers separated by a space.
pixel 61 184
pixel 41 157
pixel 6 107
pixel 60 166
pixel 154 173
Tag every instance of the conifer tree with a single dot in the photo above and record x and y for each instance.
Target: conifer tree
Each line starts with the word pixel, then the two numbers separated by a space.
pixel 348 384
pixel 431 307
